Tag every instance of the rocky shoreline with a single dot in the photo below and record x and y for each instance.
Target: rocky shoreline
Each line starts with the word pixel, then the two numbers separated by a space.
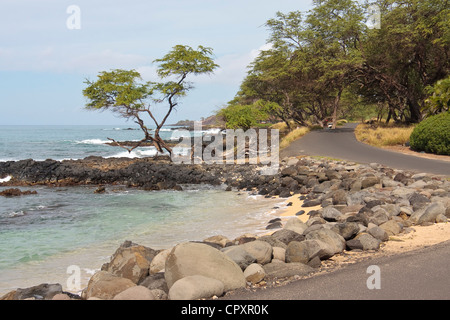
pixel 342 207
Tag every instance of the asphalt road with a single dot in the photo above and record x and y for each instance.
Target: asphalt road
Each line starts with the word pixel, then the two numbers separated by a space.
pixel 406 276
pixel 341 143
pixel 416 275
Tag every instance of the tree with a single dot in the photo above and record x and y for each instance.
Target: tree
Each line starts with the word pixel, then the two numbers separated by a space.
pixel 312 61
pixel 319 56
pixel 124 92
pixel 238 116
pixel 408 53
pixel 335 31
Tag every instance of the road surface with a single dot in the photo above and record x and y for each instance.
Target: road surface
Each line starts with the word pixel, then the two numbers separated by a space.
pixel 341 143
pixel 416 275
pixel 405 276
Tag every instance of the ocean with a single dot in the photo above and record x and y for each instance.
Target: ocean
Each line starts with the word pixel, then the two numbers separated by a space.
pixel 43 235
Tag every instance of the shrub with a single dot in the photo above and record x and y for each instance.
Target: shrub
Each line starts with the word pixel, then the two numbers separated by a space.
pixel 432 135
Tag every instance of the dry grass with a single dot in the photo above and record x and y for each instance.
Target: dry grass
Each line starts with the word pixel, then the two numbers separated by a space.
pixel 383 135
pixel 292 136
pixel 282 126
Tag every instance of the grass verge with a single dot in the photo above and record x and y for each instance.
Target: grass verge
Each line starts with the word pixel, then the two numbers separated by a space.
pixel 383 135
pixel 292 136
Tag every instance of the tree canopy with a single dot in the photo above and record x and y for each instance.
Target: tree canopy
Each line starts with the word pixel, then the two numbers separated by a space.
pixel 330 56
pixel 125 93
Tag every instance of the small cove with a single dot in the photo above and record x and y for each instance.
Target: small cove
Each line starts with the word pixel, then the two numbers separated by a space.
pixel 42 235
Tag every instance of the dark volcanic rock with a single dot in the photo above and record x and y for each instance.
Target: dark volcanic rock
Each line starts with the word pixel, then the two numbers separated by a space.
pixel 14 192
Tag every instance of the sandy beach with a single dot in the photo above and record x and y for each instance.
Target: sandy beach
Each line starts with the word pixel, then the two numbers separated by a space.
pixel 417 237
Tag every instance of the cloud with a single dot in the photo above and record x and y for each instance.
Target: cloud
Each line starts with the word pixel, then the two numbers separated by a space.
pixel 104 60
pixel 233 67
pixel 66 59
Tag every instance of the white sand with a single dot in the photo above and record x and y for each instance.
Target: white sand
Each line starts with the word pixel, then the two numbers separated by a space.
pixel 420 237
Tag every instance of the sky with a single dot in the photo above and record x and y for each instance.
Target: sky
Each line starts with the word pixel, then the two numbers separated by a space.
pixel 48 48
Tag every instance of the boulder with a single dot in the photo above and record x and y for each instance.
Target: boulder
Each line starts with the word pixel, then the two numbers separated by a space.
pixel 61 296
pixel 418 200
pixel 135 293
pixel 391 209
pixel 331 242
pixel 195 287
pixel 331 214
pixel 286 236
pixel 339 197
pixel 364 241
pixel 289 171
pixel 274 225
pixel 158 263
pixel 431 212
pixel 43 291
pixel 155 281
pixel 355 198
pixel 314 220
pixel 261 250
pixel 361 217
pixel 219 239
pixel 254 273
pixel 130 261
pixel 295 224
pixel 373 203
pixel 391 227
pixel 378 233
pixel 347 230
pixel 159 294
pixel 272 241
pixel 379 216
pixel 311 203
pixel 297 252
pixel 105 285
pixel 187 259
pixel 369 182
pixel 304 251
pixel 279 253
pixel 239 255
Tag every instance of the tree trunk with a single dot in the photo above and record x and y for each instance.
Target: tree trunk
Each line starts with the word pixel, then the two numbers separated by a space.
pixel 335 108
pixel 414 110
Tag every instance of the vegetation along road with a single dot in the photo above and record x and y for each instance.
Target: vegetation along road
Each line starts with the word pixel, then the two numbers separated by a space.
pixel 341 143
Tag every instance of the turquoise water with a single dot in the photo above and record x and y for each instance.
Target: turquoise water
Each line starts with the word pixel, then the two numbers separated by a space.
pixel 42 235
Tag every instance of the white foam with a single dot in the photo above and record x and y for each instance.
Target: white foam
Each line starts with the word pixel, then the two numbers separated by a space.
pixel 213 131
pixel 92 141
pixel 137 153
pixel 16 214
pixel 8 178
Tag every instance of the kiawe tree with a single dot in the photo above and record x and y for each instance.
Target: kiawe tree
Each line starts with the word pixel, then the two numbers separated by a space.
pixel 126 94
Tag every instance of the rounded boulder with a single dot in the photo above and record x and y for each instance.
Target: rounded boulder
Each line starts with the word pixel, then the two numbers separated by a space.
pixel 190 258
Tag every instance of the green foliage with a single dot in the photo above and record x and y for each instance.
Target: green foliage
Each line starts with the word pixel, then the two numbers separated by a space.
pixel 408 53
pixel 124 92
pixel 115 89
pixel 184 60
pixel 432 135
pixel 439 100
pixel 242 116
pixel 321 55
